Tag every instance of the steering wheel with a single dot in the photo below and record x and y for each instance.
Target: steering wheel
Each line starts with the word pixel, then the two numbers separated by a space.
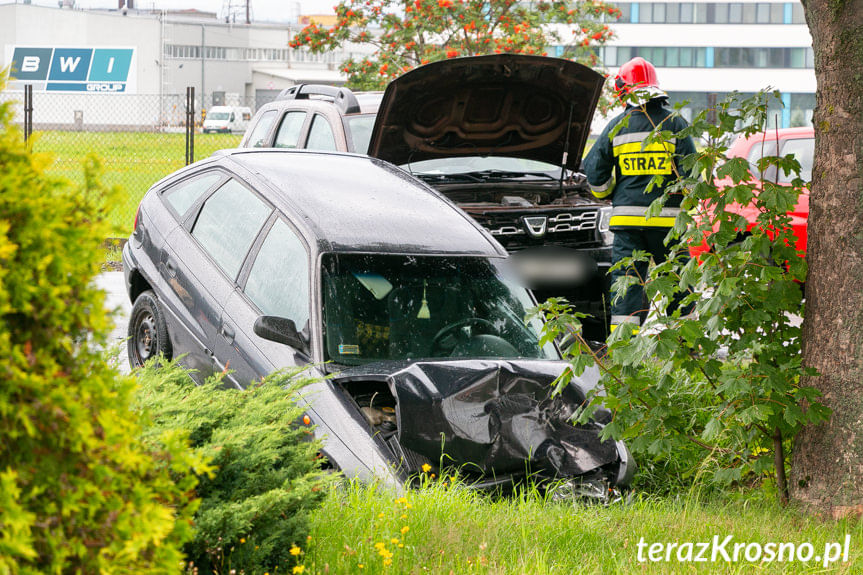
pixel 439 339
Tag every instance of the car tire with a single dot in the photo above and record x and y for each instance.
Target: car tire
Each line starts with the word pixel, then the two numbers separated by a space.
pixel 147 332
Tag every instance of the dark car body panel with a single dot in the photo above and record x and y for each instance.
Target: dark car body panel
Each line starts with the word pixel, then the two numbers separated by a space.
pixel 512 105
pixel 366 189
pixel 331 202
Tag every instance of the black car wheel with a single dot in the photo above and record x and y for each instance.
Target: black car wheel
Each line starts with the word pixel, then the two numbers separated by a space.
pixel 148 333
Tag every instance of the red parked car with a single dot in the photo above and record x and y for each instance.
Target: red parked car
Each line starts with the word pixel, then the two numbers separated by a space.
pixel 797 141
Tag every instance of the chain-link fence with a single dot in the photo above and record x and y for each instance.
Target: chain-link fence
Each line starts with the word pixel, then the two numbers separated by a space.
pixel 140 138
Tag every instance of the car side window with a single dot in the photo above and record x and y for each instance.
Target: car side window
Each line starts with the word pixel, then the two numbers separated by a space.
pixel 803 150
pixel 289 131
pixel 259 134
pixel 321 135
pixel 229 221
pixel 759 150
pixel 278 282
pixel 183 196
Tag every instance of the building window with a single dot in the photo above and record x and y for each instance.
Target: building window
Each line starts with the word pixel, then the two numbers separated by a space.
pixel 695 57
pixel 797 14
pixel 709 13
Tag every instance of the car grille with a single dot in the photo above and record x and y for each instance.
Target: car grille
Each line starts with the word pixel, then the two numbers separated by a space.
pixel 573 228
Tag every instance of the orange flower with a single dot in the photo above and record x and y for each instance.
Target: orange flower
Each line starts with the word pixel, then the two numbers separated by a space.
pixel 444 3
pixel 451 53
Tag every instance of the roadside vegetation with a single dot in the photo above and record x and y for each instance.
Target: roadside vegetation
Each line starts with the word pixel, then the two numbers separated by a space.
pixel 453 530
pixel 264 478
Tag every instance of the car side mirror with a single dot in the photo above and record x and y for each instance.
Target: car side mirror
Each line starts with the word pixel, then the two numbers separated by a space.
pixel 280 330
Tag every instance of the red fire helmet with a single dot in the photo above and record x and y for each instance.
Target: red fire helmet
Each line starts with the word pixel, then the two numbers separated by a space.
pixel 637 73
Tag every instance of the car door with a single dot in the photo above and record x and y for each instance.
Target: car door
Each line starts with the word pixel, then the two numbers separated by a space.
pixel 205 259
pixel 179 199
pixel 275 281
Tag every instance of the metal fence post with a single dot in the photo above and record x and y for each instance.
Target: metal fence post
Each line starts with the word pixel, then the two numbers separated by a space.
pixel 190 125
pixel 28 111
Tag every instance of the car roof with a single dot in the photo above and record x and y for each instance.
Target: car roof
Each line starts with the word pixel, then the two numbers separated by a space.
pixel 369 103
pixel 350 202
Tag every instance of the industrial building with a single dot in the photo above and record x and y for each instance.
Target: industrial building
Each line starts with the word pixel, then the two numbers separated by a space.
pixel 87 53
pixel 704 49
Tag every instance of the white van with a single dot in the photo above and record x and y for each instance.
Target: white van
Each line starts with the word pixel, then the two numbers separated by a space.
pixel 227 119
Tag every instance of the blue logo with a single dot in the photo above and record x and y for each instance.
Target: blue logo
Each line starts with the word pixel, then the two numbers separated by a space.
pixel 73 69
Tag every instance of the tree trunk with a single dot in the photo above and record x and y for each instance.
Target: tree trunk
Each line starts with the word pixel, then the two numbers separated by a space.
pixel 827 466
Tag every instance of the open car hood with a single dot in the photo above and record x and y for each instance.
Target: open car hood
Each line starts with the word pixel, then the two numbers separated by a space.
pixel 519 106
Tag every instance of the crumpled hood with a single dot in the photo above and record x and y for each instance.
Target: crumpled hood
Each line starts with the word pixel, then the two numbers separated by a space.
pixel 492 416
pixel 501 105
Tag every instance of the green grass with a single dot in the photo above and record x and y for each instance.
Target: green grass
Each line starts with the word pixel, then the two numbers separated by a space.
pixel 132 160
pixel 458 531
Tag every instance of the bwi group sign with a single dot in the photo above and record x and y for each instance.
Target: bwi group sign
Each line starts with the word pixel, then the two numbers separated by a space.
pixel 73 69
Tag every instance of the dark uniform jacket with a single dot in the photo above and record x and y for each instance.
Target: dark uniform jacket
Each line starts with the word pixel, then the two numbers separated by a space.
pixel 621 167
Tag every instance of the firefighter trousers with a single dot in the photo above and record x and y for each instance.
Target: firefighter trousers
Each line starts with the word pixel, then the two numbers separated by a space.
pixel 633 306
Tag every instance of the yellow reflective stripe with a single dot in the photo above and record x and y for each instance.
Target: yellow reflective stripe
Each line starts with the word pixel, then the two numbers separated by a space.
pixel 613 327
pixel 633 147
pixel 641 221
pixel 601 195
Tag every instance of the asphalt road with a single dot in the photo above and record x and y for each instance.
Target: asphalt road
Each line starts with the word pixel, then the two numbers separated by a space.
pixel 118 304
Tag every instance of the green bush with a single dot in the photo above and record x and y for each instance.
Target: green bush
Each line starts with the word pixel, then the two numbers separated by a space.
pixel 257 504
pixel 79 491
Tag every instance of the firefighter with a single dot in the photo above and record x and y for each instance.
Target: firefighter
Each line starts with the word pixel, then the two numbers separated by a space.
pixel 620 166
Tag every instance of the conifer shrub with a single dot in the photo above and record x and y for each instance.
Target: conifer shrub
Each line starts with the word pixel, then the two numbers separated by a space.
pixel 267 479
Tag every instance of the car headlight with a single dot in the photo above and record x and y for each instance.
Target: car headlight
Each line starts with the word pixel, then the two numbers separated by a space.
pixel 604 220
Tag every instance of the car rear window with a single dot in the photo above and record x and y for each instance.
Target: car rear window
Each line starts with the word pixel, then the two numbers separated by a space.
pixel 183 196
pixel 359 129
pixel 229 221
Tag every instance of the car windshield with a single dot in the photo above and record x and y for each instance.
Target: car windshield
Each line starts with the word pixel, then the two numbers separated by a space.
pixel 480 164
pixel 397 307
pixel 359 129
pixel 218 115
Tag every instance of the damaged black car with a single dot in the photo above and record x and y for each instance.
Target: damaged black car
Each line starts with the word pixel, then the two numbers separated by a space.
pixel 503 136
pixel 254 261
